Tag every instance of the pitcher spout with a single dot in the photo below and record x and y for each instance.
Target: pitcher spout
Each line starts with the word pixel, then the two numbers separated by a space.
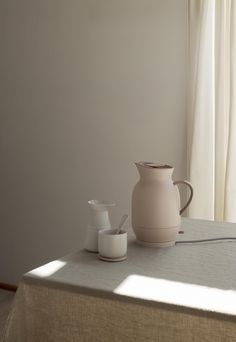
pixel 154 170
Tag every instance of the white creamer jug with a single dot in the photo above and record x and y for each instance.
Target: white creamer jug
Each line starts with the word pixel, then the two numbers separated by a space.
pixel 98 219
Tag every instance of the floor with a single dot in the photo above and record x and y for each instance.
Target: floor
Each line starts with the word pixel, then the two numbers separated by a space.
pixel 6 298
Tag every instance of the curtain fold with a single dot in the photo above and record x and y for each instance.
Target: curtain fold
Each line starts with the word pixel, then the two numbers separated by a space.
pixel 212 109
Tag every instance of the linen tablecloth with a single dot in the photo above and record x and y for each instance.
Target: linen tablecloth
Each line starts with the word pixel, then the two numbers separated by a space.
pixel 181 293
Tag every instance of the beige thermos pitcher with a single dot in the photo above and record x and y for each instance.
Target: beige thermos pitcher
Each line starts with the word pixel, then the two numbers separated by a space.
pixel 156 209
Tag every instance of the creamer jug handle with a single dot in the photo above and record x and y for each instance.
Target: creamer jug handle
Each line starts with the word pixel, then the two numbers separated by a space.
pixel 189 185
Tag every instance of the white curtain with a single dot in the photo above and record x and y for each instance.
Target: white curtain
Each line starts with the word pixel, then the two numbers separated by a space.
pixel 212 109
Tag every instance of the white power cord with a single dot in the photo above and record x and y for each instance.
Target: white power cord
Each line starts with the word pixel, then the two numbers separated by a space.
pixel 226 239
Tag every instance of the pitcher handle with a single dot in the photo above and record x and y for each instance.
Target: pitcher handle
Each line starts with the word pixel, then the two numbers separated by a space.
pixel 190 196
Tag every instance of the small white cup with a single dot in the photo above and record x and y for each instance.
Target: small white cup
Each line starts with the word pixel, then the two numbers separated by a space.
pixel 111 245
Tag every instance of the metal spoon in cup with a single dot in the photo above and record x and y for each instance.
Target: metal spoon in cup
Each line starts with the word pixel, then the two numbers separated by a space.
pixel 122 222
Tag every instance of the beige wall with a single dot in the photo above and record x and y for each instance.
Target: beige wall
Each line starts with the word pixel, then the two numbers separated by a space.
pixel 87 87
